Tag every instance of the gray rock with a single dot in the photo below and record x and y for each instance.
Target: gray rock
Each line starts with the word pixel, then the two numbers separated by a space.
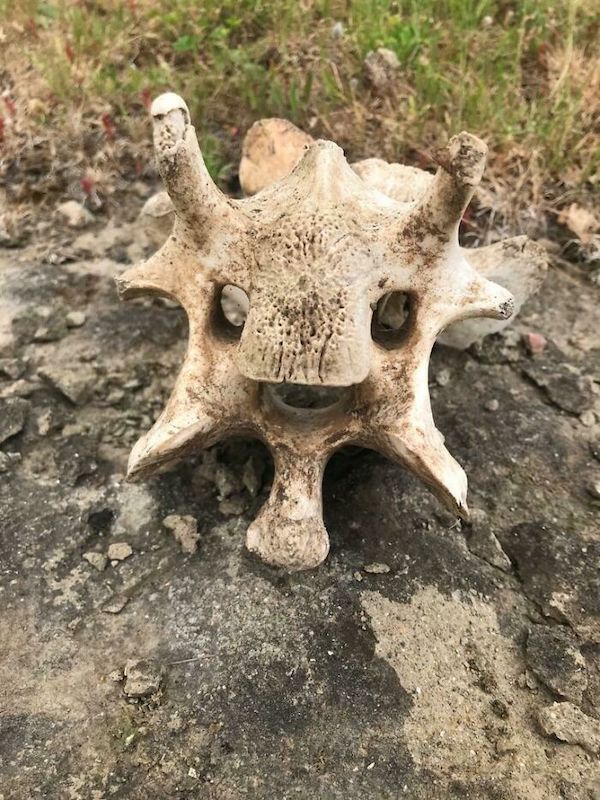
pixel 482 542
pixel 569 724
pixel 553 655
pixel 13 414
pixel 233 506
pixel 184 530
pixel 11 368
pixel 143 678
pixel 74 384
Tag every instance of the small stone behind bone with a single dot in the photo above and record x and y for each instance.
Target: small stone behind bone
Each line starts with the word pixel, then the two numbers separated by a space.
pixel 382 67
pixel 156 217
pixel 143 678
pixel 74 214
pixel 270 151
pixel 119 551
pixel 184 530
pixel 569 724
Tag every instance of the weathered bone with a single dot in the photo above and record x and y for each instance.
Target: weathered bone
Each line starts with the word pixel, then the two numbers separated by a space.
pixel 314 252
pixel 273 146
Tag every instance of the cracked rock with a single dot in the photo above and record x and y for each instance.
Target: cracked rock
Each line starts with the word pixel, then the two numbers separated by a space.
pixel 557 574
pixel 563 383
pixel 13 414
pixel 11 368
pixel 73 384
pixel 184 530
pixel 553 655
pixel 142 678
pixel 482 542
pixel 569 724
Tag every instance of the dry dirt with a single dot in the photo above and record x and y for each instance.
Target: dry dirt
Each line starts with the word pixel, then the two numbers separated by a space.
pixel 425 680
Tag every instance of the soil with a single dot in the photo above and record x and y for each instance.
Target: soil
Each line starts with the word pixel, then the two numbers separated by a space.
pixel 206 674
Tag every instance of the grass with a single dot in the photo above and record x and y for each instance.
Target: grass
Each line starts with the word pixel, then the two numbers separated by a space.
pixel 523 74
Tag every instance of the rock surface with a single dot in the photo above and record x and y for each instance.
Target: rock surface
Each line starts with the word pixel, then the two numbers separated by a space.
pixel 336 683
pixel 569 724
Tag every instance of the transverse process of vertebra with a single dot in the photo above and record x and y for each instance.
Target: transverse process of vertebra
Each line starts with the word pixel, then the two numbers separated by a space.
pixel 344 278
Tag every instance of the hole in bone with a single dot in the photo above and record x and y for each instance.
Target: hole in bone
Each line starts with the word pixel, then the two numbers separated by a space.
pixel 392 318
pixel 234 304
pixel 297 395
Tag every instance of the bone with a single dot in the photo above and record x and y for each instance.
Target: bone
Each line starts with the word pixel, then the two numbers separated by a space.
pixel 197 200
pixel 308 258
pixel 289 530
pixel 519 265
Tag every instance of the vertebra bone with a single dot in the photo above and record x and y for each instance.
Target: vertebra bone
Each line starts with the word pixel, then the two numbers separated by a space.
pixel 314 253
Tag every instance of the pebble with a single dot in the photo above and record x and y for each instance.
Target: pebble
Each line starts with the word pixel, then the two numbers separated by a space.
pixel 226 481
pixel 119 551
pixel 376 568
pixel 12 368
pixel 184 530
pixel 492 405
pixel 143 678
pixel 535 343
pixel 74 214
pixel 97 560
pixel 382 67
pixel 443 377
pixel 593 489
pixel 75 319
pixel 116 604
pixel 337 30
pixel 233 506
pixel 588 418
pixel 252 474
